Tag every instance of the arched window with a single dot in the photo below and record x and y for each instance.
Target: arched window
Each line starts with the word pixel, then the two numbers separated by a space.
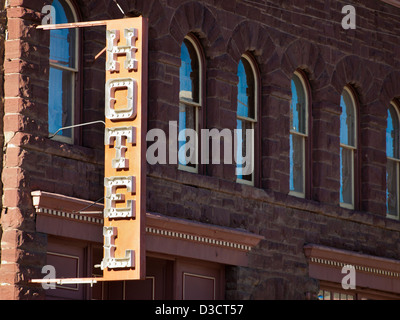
pixel 63 72
pixel 393 160
pixel 246 120
pixel 348 147
pixel 298 135
pixel 190 101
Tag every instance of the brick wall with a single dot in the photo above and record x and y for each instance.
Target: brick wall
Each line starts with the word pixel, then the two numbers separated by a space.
pixel 3 23
pixel 282 38
pixel 23 250
pixel 31 160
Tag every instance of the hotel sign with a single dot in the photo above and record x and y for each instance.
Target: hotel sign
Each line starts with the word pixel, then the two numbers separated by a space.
pixel 125 150
pixel 124 255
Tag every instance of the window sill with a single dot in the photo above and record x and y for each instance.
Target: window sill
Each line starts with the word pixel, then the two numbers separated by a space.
pixel 392 217
pixel 297 194
pixel 188 169
pixel 245 182
pixel 347 206
pixel 57 148
pixel 62 139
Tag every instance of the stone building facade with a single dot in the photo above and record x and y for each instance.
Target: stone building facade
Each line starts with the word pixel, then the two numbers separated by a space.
pixel 303 241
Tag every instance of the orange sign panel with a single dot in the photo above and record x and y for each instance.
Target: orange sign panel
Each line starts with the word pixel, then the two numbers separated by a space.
pixel 125 150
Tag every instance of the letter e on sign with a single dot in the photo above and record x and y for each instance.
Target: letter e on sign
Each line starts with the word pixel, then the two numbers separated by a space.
pixel 125 150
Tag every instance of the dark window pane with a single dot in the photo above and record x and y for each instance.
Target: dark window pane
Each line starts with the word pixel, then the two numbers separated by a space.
pixel 189 73
pixel 296 163
pixel 187 120
pixel 246 90
pixel 391 187
pixel 63 41
pixel 298 123
pixel 63 65
pixel 346 176
pixel 347 120
pixel 392 134
pixel 189 93
pixel 246 108
pixel 298 119
pixel 244 146
pixel 60 101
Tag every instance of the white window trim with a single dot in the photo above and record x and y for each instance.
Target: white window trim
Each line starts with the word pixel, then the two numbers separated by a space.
pixel 397 216
pixel 304 135
pixel 353 149
pixel 397 161
pixel 254 120
pixel 344 204
pixel 60 138
pixel 197 107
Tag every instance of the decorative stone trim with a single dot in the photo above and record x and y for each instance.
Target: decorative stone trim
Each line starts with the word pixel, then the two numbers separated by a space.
pixel 64 216
pixel 229 241
pixel 75 216
pixel 201 239
pixel 357 267
pixel 151 230
pixel 372 272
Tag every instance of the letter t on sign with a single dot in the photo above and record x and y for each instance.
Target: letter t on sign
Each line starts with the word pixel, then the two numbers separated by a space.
pixel 122 136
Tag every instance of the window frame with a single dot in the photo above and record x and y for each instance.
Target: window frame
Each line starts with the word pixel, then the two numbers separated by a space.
pixel 199 107
pixel 76 79
pixel 396 107
pixel 306 138
pixel 254 121
pixel 354 152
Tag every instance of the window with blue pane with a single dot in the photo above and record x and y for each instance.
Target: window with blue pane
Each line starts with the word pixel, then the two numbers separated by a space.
pixel 392 166
pixel 246 120
pixel 298 135
pixel 63 72
pixel 189 104
pixel 348 146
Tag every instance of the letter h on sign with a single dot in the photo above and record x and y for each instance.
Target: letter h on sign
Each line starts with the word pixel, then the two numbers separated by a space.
pixel 113 50
pixel 125 151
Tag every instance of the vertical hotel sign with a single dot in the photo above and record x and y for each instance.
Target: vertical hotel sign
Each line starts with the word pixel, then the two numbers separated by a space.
pixel 125 150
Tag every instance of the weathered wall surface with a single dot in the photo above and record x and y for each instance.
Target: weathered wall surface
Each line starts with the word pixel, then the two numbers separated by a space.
pixel 282 38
